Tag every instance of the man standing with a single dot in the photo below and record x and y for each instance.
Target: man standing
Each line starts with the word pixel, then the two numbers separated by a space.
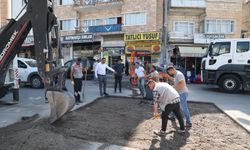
pixel 100 74
pixel 76 78
pixel 167 98
pixel 154 74
pixel 181 88
pixel 140 73
pixel 119 67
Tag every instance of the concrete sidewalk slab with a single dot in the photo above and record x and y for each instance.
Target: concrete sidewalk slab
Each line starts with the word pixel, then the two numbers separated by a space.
pixel 236 106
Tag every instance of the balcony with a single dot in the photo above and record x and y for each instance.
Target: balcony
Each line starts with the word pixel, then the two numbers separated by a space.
pixel 96 5
pixel 201 38
pixel 101 29
pixel 180 37
pixel 187 7
pixel 188 3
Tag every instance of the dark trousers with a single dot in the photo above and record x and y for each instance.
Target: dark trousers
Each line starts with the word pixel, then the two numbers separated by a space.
pixel 77 89
pixel 102 83
pixel 175 108
pixel 118 80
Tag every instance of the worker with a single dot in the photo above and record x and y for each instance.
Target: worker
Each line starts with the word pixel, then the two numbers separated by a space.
pixel 140 73
pixel 154 74
pixel 181 87
pixel 168 99
pixel 76 78
pixel 100 74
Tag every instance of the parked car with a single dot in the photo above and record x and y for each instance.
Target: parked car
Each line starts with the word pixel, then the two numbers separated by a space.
pixel 28 73
pixel 85 63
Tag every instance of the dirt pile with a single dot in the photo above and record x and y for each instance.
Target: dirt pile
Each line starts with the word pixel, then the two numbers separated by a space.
pixel 123 122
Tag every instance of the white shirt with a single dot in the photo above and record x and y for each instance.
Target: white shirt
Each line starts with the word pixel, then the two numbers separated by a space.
pixel 94 66
pixel 139 72
pixel 101 69
pixel 165 94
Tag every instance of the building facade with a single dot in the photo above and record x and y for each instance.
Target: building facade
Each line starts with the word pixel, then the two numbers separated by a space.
pixel 193 24
pixel 105 24
pixel 4 12
pixel 246 19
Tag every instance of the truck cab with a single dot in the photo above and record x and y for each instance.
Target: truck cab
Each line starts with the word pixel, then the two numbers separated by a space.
pixel 227 64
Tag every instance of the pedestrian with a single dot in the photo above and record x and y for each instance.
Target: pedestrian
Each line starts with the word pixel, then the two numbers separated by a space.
pixel 76 78
pixel 100 74
pixel 140 73
pixel 168 99
pixel 94 66
pixel 181 88
pixel 119 68
pixel 154 74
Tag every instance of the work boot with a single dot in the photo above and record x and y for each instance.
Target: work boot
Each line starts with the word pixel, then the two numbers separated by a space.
pixel 160 133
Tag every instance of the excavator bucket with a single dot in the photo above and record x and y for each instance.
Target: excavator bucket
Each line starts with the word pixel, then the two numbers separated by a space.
pixel 60 103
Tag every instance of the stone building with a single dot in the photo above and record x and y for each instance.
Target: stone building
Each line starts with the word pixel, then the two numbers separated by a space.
pixel 4 12
pixel 193 24
pixel 246 19
pixel 93 27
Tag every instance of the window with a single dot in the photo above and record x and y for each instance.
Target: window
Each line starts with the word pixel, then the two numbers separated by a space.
pixel 68 24
pixel 135 19
pixel 221 48
pixel 111 21
pixel 242 47
pixel 21 64
pixel 66 2
pixel 97 22
pixel 31 63
pixel 220 26
pixel 184 27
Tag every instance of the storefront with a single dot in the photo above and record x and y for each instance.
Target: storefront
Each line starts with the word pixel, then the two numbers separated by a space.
pixel 83 45
pixel 113 48
pixel 146 46
pixel 189 59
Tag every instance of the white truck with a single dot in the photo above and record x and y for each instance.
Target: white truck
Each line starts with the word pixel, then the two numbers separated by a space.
pixel 11 81
pixel 227 64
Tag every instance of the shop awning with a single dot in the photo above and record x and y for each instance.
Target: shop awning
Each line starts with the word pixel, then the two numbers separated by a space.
pixel 192 51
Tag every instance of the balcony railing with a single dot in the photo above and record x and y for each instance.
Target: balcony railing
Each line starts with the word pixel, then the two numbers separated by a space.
pixel 101 28
pixel 180 35
pixel 201 38
pixel 94 2
pixel 188 3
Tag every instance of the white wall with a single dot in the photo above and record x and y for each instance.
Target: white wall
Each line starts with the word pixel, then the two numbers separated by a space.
pixel 16 7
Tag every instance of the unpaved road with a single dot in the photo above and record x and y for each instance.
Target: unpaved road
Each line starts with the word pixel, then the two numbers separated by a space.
pixel 122 121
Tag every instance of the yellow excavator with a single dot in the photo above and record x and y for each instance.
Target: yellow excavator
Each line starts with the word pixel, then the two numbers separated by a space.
pixel 40 17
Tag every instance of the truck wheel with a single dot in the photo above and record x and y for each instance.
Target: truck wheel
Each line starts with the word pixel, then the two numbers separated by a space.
pixel 3 91
pixel 36 82
pixel 229 84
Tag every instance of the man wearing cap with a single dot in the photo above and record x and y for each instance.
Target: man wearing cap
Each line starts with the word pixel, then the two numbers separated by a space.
pixel 181 88
pixel 76 79
pixel 167 98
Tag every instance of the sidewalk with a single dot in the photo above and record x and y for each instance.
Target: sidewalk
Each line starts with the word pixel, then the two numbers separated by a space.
pixel 234 105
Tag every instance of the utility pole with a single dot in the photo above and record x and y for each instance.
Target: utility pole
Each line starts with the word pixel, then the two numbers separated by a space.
pixel 165 53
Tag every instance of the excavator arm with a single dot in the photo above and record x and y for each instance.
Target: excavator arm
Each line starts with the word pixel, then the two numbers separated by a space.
pixel 39 16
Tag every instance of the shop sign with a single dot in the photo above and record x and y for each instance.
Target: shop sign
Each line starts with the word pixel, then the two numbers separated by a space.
pixel 215 36
pixel 114 50
pixel 83 38
pixel 147 36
